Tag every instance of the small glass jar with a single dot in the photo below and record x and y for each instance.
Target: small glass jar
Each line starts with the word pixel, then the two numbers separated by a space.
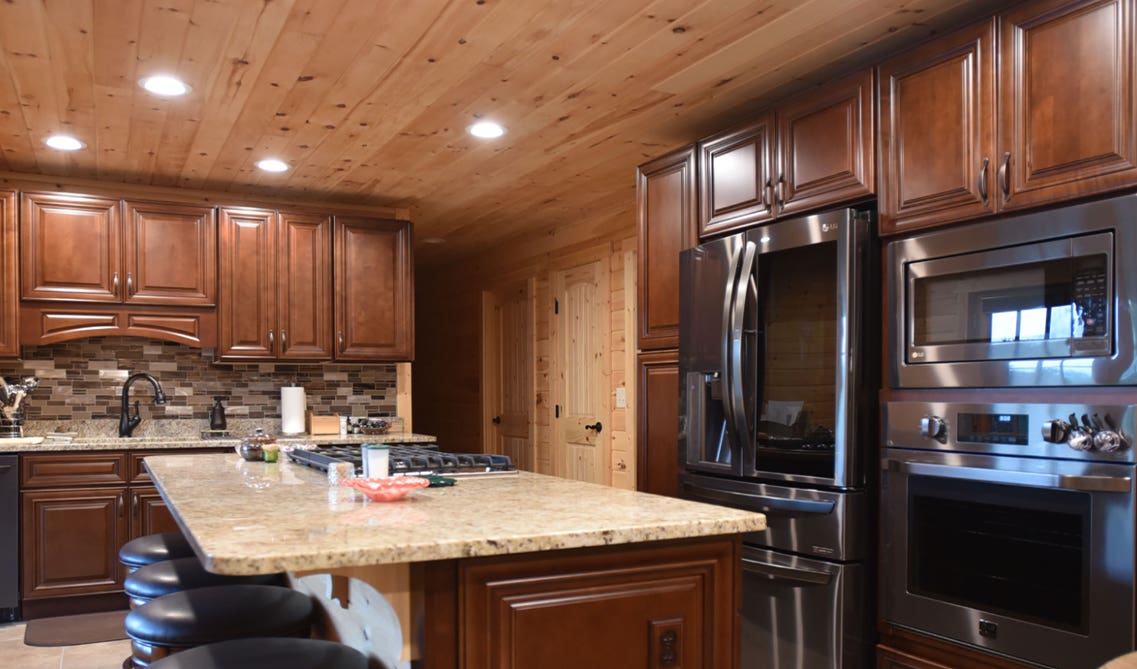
pixel 252 447
pixel 340 471
pixel 376 461
pixel 271 452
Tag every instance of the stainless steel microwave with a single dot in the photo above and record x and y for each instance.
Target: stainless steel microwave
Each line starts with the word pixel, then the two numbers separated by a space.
pixel 1043 299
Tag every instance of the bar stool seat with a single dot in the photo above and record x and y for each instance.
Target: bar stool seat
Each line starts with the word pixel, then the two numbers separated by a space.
pixel 154 548
pixel 182 620
pixel 163 578
pixel 266 653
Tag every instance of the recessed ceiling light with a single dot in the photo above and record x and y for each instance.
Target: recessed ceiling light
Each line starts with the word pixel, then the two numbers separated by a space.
pixel 486 130
pixel 165 85
pixel 272 165
pixel 64 143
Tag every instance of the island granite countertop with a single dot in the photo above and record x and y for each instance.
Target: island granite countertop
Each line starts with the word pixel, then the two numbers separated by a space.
pixel 255 518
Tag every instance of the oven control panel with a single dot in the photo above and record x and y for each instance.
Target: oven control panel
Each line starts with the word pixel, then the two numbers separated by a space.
pixel 1088 432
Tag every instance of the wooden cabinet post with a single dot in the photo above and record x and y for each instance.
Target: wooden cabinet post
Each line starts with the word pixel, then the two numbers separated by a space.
pixel 374 312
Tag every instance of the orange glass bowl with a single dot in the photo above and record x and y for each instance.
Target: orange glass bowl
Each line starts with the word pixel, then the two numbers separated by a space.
pixel 386 489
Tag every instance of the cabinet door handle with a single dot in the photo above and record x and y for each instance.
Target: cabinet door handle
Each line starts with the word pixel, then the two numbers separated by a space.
pixel 119 502
pixel 767 193
pixel 114 282
pixel 781 196
pixel 129 284
pixel 983 180
pixel 283 340
pixel 135 502
pixel 271 342
pixel 1005 176
pixel 339 335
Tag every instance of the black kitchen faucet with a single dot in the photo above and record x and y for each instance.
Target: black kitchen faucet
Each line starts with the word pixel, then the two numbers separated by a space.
pixel 126 422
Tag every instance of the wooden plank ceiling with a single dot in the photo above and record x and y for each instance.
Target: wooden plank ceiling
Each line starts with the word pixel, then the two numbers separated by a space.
pixel 369 99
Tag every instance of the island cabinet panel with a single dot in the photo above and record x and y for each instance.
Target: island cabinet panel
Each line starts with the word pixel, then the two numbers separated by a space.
pixel 1066 126
pixel 71 540
pixel 736 177
pixel 657 463
pixel 9 278
pixel 171 254
pixel 374 309
pixel 645 605
pixel 70 248
pixel 826 145
pixel 304 287
pixel 937 131
pixel 666 215
pixel 247 309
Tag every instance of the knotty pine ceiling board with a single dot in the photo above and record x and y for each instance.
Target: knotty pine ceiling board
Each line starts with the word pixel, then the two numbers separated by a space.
pixel 368 100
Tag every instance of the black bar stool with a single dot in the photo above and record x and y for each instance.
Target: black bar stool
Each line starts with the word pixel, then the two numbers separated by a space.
pixel 154 548
pixel 271 653
pixel 169 576
pixel 183 620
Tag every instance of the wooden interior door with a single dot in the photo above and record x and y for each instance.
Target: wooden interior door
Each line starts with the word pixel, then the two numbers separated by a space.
pixel 171 254
pixel 70 248
pixel 374 311
pixel 247 310
pixel 304 287
pixel 9 278
pixel 1066 126
pixel 507 373
pixel 582 369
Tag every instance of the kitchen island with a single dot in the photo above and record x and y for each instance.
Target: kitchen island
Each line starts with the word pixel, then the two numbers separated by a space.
pixel 519 570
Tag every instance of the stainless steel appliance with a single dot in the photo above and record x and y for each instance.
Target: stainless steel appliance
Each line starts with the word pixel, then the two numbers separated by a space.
pixel 1043 299
pixel 409 459
pixel 777 414
pixel 9 538
pixel 1010 527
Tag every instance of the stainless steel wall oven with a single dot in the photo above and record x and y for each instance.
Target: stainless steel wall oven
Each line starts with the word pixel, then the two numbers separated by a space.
pixel 1043 299
pixel 1010 527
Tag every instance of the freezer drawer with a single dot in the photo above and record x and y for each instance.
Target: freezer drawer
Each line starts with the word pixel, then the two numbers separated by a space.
pixel 799 613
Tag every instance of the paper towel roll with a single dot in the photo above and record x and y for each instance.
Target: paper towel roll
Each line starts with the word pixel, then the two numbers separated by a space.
pixel 292 407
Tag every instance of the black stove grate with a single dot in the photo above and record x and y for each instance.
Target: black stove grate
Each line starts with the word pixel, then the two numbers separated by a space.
pixel 408 459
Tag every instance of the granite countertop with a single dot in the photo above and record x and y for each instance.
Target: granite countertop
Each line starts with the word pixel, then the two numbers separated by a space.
pixel 255 517
pixel 87 443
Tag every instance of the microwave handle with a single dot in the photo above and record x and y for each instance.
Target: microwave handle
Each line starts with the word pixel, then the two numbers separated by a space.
pixel 777 572
pixel 1032 479
pixel 744 500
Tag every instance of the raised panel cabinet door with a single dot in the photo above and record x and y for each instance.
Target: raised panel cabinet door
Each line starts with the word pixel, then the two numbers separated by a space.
pixel 70 541
pixel 657 450
pixel 826 146
pixel 171 254
pixel 149 513
pixel 665 212
pixel 374 312
pixel 70 248
pixel 736 177
pixel 304 287
pixel 937 131
pixel 246 319
pixel 9 278
pixel 1066 119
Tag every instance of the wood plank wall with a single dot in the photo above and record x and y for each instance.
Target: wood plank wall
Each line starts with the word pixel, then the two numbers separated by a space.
pixel 447 387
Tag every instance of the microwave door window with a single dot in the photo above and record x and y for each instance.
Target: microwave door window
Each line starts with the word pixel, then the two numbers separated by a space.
pixel 796 345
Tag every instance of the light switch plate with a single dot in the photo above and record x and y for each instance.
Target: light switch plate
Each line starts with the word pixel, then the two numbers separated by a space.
pixel 621 398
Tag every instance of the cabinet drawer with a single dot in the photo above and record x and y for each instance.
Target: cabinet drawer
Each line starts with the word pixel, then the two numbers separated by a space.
pixel 136 468
pixel 53 471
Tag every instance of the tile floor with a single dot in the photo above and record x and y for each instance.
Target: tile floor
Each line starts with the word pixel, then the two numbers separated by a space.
pixel 13 653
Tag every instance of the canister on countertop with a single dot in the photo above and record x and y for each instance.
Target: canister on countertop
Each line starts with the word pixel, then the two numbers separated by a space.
pixel 376 461
pixel 340 471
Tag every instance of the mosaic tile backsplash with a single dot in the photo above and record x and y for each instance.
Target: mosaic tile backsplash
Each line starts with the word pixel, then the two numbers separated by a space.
pixel 82 380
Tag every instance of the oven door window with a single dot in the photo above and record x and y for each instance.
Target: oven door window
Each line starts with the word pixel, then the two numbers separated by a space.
pixel 1045 300
pixel 1008 550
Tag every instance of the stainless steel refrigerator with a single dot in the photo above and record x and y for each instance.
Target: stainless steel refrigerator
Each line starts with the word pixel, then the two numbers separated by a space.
pixel 778 358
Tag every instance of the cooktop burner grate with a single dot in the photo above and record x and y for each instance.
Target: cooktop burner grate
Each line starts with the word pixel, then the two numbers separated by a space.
pixel 409 459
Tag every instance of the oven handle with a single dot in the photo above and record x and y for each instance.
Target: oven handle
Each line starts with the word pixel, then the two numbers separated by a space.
pixel 1032 479
pixel 747 501
pixel 776 572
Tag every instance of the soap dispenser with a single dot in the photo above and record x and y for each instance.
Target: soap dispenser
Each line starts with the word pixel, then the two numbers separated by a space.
pixel 217 415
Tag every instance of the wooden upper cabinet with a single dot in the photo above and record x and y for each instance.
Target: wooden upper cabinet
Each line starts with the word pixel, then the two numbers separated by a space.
pixel 735 182
pixel 9 278
pixel 171 254
pixel 665 211
pixel 1066 120
pixel 247 306
pixel 70 248
pixel 304 287
pixel 937 131
pixel 826 145
pixel 374 289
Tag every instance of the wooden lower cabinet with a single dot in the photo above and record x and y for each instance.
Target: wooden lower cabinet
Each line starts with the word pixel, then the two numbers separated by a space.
pixel 149 514
pixel 903 649
pixel 656 605
pixel 657 448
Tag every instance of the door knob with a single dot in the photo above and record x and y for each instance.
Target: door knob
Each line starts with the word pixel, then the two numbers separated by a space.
pixel 496 420
pixel 597 426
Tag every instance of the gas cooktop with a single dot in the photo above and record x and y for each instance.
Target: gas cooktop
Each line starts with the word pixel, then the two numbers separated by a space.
pixel 409 459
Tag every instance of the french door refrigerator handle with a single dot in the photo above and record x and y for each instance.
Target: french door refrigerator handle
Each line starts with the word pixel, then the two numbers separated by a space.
pixel 727 302
pixel 777 572
pixel 737 321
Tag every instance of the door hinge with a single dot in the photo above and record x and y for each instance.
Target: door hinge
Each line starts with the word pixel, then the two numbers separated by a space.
pixel 556 306
pixel 557 411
